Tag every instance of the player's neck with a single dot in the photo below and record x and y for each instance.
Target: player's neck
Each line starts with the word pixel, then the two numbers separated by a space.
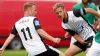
pixel 26 14
pixel 66 18
pixel 85 5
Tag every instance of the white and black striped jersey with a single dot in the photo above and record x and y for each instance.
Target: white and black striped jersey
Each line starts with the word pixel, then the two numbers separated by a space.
pixel 26 28
pixel 76 24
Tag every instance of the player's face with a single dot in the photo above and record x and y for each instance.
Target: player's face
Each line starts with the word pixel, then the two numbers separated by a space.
pixel 60 12
pixel 85 1
pixel 33 10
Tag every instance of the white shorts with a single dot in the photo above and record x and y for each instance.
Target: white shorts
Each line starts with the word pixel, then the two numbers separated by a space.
pixel 94 50
pixel 73 40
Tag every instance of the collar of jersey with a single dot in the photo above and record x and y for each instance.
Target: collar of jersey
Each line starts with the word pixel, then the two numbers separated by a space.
pixel 65 21
pixel 86 6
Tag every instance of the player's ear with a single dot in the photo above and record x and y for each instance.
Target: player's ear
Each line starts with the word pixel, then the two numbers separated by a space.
pixel 64 10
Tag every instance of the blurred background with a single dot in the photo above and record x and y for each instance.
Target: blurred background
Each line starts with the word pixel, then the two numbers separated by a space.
pixel 12 10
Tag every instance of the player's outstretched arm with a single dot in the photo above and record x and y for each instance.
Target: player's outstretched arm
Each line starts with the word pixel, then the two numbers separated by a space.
pixel 92 11
pixel 47 36
pixel 8 40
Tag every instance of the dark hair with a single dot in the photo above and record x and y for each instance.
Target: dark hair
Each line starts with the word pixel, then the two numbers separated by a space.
pixel 90 1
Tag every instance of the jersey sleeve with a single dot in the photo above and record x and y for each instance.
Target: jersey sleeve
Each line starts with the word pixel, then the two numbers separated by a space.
pixel 36 24
pixel 74 7
pixel 14 31
pixel 71 32
pixel 94 7
pixel 79 12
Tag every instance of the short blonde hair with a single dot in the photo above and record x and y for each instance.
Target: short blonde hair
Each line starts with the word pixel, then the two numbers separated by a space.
pixel 28 4
pixel 57 5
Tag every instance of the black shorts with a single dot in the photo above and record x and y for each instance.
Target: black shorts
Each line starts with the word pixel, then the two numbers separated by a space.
pixel 84 47
pixel 49 52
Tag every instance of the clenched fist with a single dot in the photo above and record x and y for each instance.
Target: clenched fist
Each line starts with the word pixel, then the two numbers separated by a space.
pixel 1 51
pixel 56 40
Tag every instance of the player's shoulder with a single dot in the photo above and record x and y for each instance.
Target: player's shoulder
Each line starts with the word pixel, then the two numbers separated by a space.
pixel 30 18
pixel 92 5
pixel 19 20
pixel 70 13
pixel 77 5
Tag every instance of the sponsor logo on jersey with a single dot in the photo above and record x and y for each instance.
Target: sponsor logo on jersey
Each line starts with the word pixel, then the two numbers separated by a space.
pixel 37 22
pixel 80 29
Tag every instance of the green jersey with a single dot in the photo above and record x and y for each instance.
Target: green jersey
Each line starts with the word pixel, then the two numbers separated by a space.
pixel 97 37
pixel 89 17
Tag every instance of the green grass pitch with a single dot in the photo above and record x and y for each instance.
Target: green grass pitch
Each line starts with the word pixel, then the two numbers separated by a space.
pixel 23 52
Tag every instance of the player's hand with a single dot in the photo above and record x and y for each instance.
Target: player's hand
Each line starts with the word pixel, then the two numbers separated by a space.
pixel 56 40
pixel 94 26
pixel 83 42
pixel 66 35
pixel 1 51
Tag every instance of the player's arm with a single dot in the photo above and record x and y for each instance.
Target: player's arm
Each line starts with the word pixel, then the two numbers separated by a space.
pixel 73 33
pixel 92 11
pixel 76 36
pixel 66 35
pixel 74 7
pixel 43 33
pixel 95 25
pixel 8 40
pixel 82 12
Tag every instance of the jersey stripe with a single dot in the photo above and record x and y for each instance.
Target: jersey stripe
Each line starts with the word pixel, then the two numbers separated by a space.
pixel 89 24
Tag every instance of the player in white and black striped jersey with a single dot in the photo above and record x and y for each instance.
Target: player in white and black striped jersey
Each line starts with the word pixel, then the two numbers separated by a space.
pixel 79 25
pixel 74 23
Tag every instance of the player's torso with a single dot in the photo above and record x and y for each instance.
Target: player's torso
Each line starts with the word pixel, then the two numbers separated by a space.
pixel 26 28
pixel 30 38
pixel 79 25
